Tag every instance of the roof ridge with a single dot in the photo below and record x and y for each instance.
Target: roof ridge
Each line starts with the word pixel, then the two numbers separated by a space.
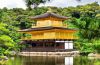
pixel 45 15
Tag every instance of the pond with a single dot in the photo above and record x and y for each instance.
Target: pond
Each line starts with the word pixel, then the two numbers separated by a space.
pixel 53 60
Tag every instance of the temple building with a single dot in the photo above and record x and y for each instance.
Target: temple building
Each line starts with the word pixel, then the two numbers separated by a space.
pixel 49 34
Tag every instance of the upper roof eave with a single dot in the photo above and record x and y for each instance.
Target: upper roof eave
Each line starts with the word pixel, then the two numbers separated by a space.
pixel 44 28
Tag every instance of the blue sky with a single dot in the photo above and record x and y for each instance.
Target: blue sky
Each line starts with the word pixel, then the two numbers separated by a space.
pixel 58 3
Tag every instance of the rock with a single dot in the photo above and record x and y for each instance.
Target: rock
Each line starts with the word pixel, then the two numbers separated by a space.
pixel 12 58
pixel 13 53
pixel 92 55
pixel 4 57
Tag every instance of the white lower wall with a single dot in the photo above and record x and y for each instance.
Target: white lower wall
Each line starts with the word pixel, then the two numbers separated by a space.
pixel 69 45
pixel 66 45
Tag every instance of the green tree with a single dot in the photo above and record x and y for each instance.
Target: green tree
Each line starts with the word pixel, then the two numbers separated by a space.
pixel 6 42
pixel 29 3
pixel 86 20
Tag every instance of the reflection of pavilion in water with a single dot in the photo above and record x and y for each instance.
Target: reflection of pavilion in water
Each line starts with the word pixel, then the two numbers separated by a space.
pixel 48 60
pixel 68 60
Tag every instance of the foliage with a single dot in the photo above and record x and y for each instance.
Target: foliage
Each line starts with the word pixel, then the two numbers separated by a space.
pixel 86 20
pixel 96 44
pixel 6 41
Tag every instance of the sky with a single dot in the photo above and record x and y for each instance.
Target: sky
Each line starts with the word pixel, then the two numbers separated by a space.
pixel 57 3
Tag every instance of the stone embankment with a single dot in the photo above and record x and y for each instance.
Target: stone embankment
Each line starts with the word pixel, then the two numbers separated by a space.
pixel 72 53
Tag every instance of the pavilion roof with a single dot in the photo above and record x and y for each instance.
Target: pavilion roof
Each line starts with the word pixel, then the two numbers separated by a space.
pixel 44 28
pixel 49 14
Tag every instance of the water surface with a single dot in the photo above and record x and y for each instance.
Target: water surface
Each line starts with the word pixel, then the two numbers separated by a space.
pixel 53 60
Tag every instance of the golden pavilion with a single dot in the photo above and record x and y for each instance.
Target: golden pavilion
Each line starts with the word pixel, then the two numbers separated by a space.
pixel 49 34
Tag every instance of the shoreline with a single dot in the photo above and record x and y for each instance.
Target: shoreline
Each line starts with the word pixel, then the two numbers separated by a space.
pixel 72 53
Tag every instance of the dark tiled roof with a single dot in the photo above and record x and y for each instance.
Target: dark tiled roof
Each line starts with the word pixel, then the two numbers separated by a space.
pixel 48 14
pixel 43 28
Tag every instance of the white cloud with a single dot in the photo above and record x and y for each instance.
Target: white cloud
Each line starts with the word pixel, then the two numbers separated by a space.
pixel 61 3
pixel 66 3
pixel 58 3
pixel 12 4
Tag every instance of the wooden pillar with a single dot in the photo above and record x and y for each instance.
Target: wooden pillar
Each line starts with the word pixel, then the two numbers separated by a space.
pixel 43 45
pixel 55 46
